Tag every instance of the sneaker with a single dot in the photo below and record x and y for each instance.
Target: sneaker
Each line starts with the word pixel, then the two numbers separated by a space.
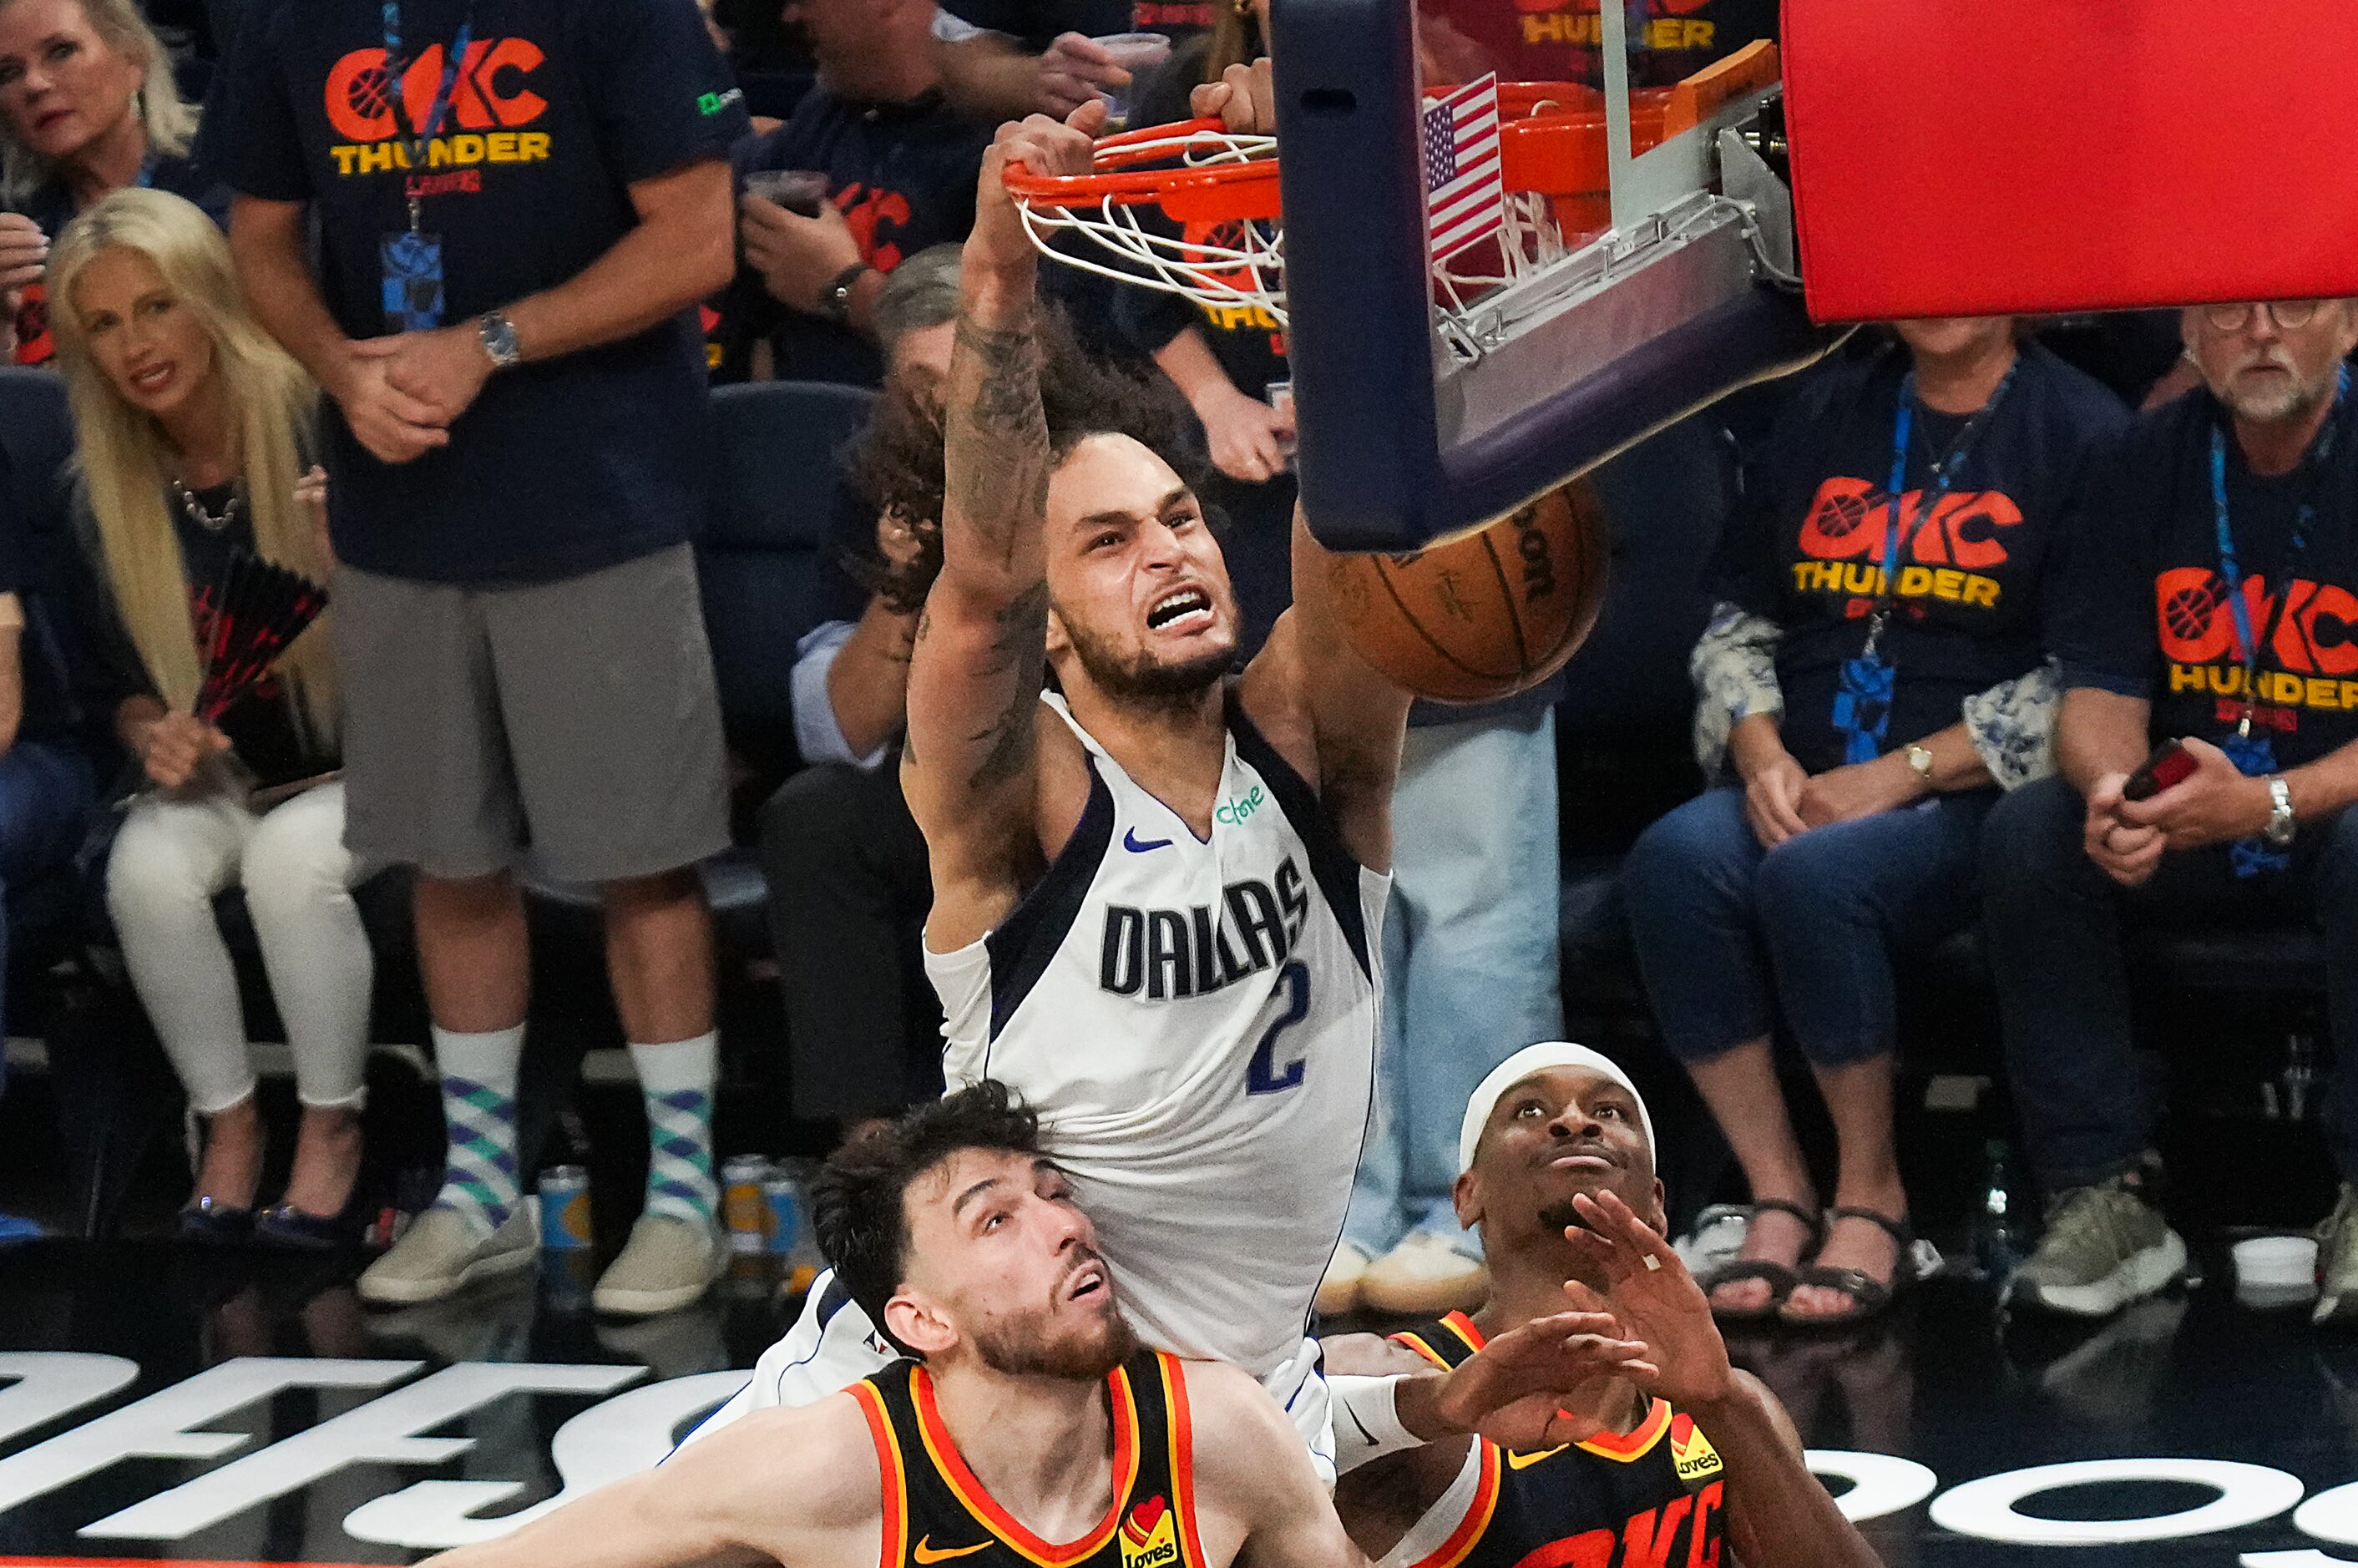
pixel 2105 1246
pixel 1425 1276
pixel 667 1265
pixel 2337 1263
pixel 441 1253
pixel 1338 1291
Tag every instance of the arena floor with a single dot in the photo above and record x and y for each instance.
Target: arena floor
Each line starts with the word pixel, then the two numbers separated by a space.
pixel 238 1408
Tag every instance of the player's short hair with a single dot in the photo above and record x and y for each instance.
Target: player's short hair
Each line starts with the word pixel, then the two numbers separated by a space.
pixel 858 1206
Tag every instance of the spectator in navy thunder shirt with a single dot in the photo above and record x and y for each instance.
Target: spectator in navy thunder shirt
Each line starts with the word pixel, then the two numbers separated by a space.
pixel 501 318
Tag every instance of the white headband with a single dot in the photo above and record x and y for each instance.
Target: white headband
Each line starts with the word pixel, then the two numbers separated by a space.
pixel 1523 1064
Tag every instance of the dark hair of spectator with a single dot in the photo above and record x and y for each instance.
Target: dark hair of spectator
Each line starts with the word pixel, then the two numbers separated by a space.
pixel 897 463
pixel 859 1203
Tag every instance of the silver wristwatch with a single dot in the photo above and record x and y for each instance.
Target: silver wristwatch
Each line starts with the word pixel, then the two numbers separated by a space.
pixel 498 336
pixel 2278 832
pixel 1920 760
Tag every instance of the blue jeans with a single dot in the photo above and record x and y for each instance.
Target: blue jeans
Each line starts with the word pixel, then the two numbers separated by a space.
pixel 1470 958
pixel 2089 1109
pixel 1728 933
pixel 46 795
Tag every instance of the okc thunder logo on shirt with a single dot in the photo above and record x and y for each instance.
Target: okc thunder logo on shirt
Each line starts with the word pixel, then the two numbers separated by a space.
pixel 1953 556
pixel 493 106
pixel 2311 660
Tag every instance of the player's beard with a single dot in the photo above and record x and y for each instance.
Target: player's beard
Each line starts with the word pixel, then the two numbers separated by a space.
pixel 1017 1349
pixel 1558 1217
pixel 1143 680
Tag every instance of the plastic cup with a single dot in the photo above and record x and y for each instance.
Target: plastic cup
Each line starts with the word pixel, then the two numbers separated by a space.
pixel 2275 1270
pixel 1136 53
pixel 796 189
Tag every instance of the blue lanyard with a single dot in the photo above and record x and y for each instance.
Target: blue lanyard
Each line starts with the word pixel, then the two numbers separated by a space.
pixel 1900 533
pixel 2247 647
pixel 444 96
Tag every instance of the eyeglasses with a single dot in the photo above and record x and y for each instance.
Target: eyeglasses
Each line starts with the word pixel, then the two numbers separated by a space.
pixel 2289 314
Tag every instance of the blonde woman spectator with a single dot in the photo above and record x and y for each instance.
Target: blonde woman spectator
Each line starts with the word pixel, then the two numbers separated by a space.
pixel 87 105
pixel 191 425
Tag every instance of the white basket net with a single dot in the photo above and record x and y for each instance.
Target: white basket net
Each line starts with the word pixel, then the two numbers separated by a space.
pixel 1130 239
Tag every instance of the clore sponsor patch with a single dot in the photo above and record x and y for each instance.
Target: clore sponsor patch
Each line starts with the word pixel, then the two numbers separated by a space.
pixel 1692 1453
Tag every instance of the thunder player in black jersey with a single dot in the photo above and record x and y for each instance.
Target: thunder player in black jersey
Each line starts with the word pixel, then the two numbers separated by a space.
pixel 1028 1429
pixel 1691 1456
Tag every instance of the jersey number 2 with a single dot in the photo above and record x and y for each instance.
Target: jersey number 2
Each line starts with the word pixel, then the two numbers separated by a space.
pixel 1264 1076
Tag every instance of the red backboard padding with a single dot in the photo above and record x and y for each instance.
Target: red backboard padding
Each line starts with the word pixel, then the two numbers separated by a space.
pixel 1980 156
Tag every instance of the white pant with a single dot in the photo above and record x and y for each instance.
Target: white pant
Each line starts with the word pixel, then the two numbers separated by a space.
pixel 170 859
pixel 832 1346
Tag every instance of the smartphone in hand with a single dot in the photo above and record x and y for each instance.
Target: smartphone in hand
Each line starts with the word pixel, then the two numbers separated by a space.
pixel 2170 765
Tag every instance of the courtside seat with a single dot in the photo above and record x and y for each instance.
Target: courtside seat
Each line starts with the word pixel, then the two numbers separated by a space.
pixel 37 433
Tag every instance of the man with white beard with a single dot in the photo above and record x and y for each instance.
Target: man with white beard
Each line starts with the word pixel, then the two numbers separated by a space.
pixel 2208 746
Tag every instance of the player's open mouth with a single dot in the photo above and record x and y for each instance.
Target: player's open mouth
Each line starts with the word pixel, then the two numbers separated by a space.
pixel 1182 610
pixel 1088 1280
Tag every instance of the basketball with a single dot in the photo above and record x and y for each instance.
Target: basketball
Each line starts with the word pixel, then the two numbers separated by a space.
pixel 1489 612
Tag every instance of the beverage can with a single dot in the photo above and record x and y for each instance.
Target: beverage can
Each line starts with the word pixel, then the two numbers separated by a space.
pixel 744 1204
pixel 567 1280
pixel 781 1203
pixel 564 1208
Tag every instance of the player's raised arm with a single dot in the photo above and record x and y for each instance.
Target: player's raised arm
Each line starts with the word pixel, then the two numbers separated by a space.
pixel 975 674
pixel 801 1485
pixel 1309 688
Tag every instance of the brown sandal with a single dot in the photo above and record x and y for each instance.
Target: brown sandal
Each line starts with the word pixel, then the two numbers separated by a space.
pixel 1870 1297
pixel 1781 1280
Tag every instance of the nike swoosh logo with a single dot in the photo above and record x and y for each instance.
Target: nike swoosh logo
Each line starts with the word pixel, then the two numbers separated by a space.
pixel 1525 1461
pixel 1129 842
pixel 926 1552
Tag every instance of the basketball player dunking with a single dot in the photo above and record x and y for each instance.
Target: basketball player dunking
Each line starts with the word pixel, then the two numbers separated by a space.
pixel 1158 892
pixel 1034 1429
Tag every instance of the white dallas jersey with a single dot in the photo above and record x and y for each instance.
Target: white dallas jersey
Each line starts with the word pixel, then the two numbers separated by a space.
pixel 1195 1020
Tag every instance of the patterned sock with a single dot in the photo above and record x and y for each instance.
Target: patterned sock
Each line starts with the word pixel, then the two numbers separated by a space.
pixel 676 1081
pixel 478 1117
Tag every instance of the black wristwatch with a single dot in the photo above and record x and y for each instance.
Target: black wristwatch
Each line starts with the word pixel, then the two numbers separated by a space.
pixel 834 299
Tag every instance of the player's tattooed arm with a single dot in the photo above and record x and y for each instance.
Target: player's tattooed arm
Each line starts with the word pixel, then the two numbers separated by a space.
pixel 996 453
pixel 970 770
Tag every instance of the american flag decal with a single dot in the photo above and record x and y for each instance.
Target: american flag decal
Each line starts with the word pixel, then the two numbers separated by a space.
pixel 1464 195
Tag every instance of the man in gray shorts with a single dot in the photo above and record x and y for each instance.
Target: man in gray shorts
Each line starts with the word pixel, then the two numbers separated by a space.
pixel 509 255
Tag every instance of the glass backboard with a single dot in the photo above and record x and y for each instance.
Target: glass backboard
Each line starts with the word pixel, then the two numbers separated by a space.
pixel 1641 264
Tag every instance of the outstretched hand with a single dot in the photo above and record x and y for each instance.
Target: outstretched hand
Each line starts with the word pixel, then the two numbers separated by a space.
pixel 1648 1288
pixel 1533 1386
